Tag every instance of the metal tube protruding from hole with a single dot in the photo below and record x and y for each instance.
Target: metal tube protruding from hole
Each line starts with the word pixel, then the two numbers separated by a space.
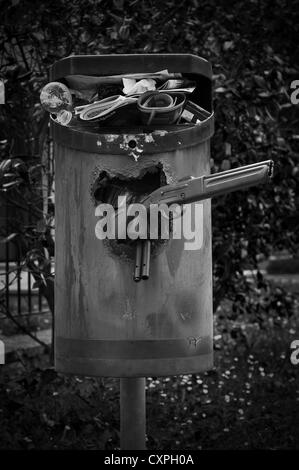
pixel 138 261
pixel 146 255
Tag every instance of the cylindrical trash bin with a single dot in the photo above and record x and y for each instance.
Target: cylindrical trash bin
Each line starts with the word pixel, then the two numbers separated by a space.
pixel 105 323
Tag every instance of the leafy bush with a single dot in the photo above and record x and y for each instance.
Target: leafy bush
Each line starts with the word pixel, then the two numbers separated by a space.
pixel 253 57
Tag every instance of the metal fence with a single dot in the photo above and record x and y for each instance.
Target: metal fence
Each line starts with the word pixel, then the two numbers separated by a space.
pixel 19 296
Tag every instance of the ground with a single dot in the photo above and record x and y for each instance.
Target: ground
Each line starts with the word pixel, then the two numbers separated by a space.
pixel 250 400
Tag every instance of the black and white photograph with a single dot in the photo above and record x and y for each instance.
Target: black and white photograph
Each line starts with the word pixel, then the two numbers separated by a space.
pixel 149 229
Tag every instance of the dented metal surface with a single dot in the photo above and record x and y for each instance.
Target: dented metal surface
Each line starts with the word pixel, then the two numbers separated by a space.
pixel 134 144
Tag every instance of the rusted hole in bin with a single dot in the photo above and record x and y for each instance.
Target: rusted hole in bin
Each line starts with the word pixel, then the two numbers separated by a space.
pixel 108 188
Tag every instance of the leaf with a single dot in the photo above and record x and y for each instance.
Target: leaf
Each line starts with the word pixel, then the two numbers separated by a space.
pixel 11 184
pixel 8 238
pixel 228 150
pixel 265 94
pixel 278 60
pixel 221 90
pixel 49 422
pixel 41 226
pixel 36 285
pixel 225 165
pixel 228 45
pixel 260 81
pixel 5 164
pixel 39 36
pixel 119 4
pixel 48 376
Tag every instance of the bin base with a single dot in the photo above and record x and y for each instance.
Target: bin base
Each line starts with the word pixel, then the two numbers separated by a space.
pixel 138 368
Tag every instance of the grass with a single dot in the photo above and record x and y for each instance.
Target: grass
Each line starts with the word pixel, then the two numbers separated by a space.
pixel 250 400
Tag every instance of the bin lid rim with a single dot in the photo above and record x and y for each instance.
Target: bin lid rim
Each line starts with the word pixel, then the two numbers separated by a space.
pixel 130 63
pixel 119 144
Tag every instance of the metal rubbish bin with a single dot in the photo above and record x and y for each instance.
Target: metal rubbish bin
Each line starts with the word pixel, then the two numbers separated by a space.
pixel 105 323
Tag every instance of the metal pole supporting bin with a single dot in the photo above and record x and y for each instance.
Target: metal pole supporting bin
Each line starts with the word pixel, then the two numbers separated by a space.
pixel 105 323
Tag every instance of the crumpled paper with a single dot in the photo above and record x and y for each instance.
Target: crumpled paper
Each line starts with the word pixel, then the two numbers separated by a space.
pixel 134 87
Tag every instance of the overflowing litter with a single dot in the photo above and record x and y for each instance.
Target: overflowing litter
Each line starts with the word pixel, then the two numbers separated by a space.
pixel 147 99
